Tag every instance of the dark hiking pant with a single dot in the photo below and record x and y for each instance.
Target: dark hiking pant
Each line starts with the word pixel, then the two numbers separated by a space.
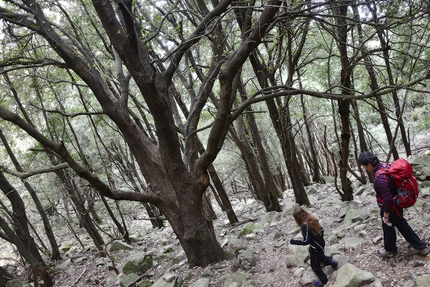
pixel 390 237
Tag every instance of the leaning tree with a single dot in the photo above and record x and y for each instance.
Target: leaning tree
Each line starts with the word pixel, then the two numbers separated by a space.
pixel 176 178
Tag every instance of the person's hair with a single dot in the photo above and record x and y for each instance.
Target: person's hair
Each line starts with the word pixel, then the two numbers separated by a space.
pixel 368 157
pixel 301 217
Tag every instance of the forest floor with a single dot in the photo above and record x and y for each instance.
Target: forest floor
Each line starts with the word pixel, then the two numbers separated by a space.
pixel 270 270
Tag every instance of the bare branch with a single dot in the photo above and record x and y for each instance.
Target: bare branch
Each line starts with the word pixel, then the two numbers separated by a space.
pixel 24 175
pixel 69 115
pixel 13 65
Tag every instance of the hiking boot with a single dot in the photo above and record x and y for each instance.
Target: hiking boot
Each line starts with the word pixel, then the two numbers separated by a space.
pixel 385 253
pixel 334 264
pixel 423 252
pixel 318 283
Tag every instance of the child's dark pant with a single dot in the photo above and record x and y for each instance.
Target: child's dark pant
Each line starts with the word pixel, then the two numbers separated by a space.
pixel 316 259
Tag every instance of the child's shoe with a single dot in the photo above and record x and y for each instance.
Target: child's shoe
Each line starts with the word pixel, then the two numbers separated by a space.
pixel 334 264
pixel 318 283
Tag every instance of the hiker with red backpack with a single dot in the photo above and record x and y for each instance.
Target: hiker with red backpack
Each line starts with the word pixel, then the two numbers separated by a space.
pixel 396 188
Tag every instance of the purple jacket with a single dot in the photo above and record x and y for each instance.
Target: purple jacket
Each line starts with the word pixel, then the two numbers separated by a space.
pixel 385 189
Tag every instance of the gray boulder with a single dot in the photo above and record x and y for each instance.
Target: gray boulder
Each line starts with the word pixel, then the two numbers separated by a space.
pixel 14 283
pixel 168 280
pixel 352 242
pixel 423 280
pixel 140 262
pixel 118 245
pixel 421 166
pixel 270 217
pixel 355 215
pixel 249 228
pixel 350 276
pixel 65 246
pixel 144 283
pixel 293 261
pixel 247 258
pixel 127 279
pixel 237 279
pixel 202 282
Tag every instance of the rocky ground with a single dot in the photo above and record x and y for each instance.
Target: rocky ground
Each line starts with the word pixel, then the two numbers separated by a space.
pixel 271 245
pixel 80 267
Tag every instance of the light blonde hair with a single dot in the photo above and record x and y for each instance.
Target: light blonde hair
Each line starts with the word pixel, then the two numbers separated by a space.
pixel 301 217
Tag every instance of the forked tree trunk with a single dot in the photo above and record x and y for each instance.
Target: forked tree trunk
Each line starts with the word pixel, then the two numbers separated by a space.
pixel 187 219
pixel 293 166
pixel 177 186
pixel 254 155
pixel 122 230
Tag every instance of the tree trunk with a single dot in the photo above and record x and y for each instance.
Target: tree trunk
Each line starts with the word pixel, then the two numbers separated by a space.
pixel 312 149
pixel 82 213
pixel 91 203
pixel 293 166
pixel 361 139
pixel 250 160
pixel 281 124
pixel 224 202
pixel 269 183
pixel 219 188
pixel 299 190
pixel 189 224
pixel 55 252
pixel 121 230
pixel 374 86
pixel 385 52
pixel 154 215
pixel 22 238
pixel 178 186
pixel 4 277
pixel 344 105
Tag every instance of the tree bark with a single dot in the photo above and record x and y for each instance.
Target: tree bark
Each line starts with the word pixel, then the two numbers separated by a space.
pixel 55 251
pixel 178 187
pixel 344 105
pixel 264 77
pixel 374 86
pixel 250 161
pixel 82 212
pixel 385 51
pixel 122 230
pixel 293 166
pixel 21 238
pixel 270 186
pixel 219 188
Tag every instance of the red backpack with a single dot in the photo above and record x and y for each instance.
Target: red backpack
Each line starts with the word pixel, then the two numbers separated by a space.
pixel 407 186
